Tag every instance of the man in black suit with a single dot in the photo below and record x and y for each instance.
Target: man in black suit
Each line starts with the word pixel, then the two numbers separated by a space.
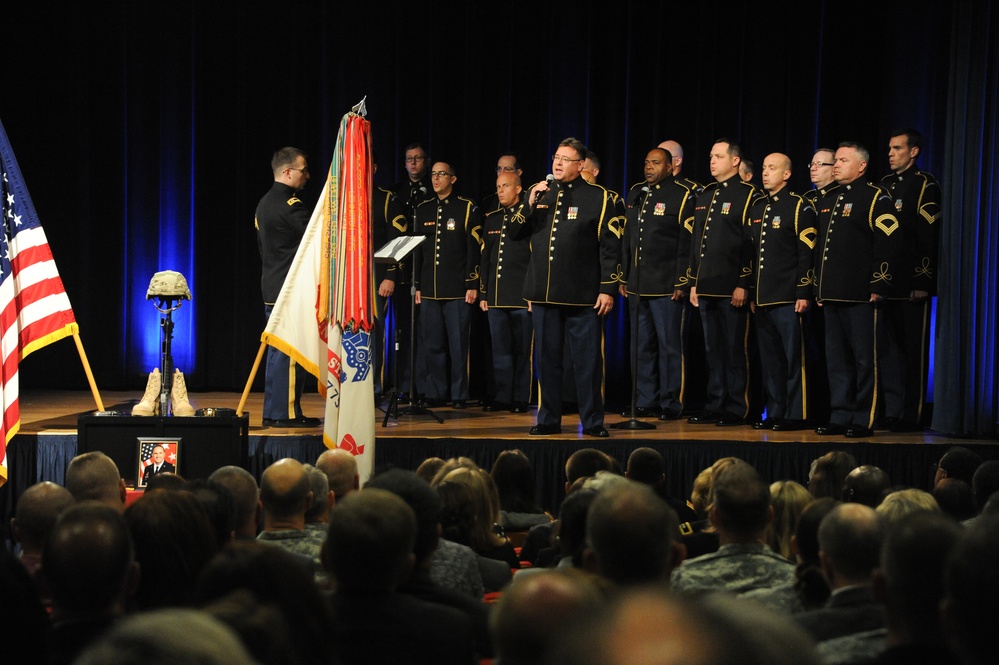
pixel 159 465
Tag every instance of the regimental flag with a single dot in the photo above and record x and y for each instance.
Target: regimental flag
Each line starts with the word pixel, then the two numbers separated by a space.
pixel 324 314
pixel 34 307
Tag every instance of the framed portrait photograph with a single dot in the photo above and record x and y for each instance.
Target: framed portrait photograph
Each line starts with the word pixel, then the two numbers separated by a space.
pixel 156 455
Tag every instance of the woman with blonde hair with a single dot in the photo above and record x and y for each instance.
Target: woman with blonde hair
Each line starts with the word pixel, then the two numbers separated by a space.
pixel 487 537
pixel 788 499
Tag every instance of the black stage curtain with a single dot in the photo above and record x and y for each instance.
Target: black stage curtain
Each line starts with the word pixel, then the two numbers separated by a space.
pixel 144 132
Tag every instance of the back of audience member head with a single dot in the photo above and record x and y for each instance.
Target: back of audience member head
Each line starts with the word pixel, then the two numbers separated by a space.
pixel 900 503
pixel 584 463
pixel 219 506
pixel 274 579
pixel 570 530
pixel 647 466
pixel 867 485
pixel 457 512
pixel 740 504
pixel 910 580
pixel 174 540
pixel 94 476
pixel 985 482
pixel 426 505
pixel 323 496
pixel 535 609
pixel 632 536
pixel 167 637
pixel 89 562
pixel 514 478
pixel 958 462
pixel 428 469
pixel 647 626
pixel 955 498
pixel 285 494
pixel 788 499
pixel 810 583
pixel 850 539
pixel 701 493
pixel 340 467
pixel 36 513
pixel 485 504
pixel 970 610
pixel 246 496
pixel 369 544
pixel 166 481
pixel 829 472
pixel 450 465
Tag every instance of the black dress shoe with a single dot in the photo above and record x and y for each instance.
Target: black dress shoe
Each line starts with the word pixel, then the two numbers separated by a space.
pixel 729 420
pixel 902 426
pixel 544 430
pixel 301 421
pixel 459 404
pixel 789 425
pixel 766 423
pixel 520 407
pixel 596 430
pixel 858 432
pixel 832 429
pixel 705 418
pixel 642 412
pixel 670 414
pixel 492 407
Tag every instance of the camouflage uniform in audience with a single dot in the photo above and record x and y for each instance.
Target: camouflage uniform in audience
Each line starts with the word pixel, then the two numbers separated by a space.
pixel 736 568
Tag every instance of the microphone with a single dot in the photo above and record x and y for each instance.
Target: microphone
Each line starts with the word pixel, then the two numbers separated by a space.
pixel 550 181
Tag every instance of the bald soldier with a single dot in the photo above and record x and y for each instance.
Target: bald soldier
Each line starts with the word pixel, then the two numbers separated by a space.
pixel 676 152
pixel 784 233
pixel 502 271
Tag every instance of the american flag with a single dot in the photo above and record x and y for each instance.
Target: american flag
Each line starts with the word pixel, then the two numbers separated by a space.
pixel 34 307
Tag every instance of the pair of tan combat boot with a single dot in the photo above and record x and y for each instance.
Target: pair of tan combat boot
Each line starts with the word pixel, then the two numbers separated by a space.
pixel 149 405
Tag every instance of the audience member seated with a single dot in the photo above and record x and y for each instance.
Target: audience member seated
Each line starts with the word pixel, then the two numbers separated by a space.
pixel 850 539
pixel 168 637
pixel 900 503
pixel 458 523
pixel 22 614
pixel 429 468
pixel 570 536
pixel 165 480
pixel 788 499
pixel 866 485
pixel 970 610
pixel 260 627
pixel 984 484
pixel 647 466
pixel 90 570
pixel 36 513
pixel 368 552
pixel 173 542
pixel 426 505
pixel 487 536
pixel 273 577
pixel 654 628
pixel 809 589
pixel 956 499
pixel 340 467
pixel 246 496
pixel 910 587
pixel 958 462
pixel 514 478
pixel 317 517
pixel 94 476
pixel 740 512
pixel 536 609
pixel 632 536
pixel 700 537
pixel 219 505
pixel 829 472
pixel 285 494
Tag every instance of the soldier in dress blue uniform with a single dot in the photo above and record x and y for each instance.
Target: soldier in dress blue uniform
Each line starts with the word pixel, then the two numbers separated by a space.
pixel 447 274
pixel 904 370
pixel 855 269
pixel 388 221
pixel 508 162
pixel 660 219
pixel 676 150
pixel 719 276
pixel 571 281
pixel 502 272
pixel 281 220
pixel 784 235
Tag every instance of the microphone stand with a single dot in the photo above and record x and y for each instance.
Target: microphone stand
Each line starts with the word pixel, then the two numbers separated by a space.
pixel 634 423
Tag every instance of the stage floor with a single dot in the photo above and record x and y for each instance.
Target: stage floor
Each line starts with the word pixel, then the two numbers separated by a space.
pixel 57 411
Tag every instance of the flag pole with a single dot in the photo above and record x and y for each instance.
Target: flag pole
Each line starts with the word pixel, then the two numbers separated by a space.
pixel 87 371
pixel 249 380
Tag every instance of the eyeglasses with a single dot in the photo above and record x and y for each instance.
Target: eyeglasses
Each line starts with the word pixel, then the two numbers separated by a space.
pixel 440 174
pixel 817 164
pixel 304 169
pixel 560 158
pixel 413 160
pixel 505 169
